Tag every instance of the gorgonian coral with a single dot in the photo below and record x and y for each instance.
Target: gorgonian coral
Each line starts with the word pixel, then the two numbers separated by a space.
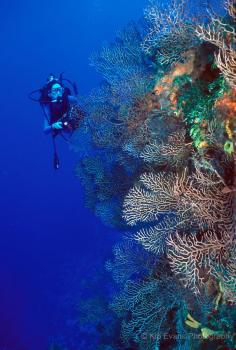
pixel 170 33
pixel 149 303
pixel 194 260
pixel 222 34
pixel 181 195
pixel 122 64
pixel 130 261
pixel 99 175
pixel 173 153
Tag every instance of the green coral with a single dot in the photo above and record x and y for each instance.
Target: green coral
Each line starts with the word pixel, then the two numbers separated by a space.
pixel 196 101
pixel 229 147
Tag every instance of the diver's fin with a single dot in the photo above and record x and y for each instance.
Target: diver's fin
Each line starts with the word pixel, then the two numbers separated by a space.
pixel 56 161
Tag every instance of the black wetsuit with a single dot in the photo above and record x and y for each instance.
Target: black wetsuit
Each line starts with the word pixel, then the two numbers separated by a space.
pixel 58 108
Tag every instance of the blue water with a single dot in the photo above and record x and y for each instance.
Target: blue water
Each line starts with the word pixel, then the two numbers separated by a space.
pixel 48 237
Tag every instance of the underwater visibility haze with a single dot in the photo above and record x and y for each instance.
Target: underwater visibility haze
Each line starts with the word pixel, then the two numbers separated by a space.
pixel 130 244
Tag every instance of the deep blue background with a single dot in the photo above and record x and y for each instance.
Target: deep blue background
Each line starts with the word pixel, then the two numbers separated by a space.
pixel 44 225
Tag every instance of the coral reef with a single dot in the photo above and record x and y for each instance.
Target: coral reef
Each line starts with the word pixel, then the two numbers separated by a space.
pixel 162 166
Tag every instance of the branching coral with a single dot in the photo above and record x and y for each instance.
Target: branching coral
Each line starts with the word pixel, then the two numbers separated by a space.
pixel 140 111
pixel 173 153
pixel 196 201
pixel 99 175
pixel 119 107
pixel 81 142
pixel 180 195
pixel 170 33
pixel 154 238
pixel 231 8
pixel 105 121
pixel 130 261
pixel 122 64
pixel 226 62
pixel 195 260
pixel 148 303
pixel 223 36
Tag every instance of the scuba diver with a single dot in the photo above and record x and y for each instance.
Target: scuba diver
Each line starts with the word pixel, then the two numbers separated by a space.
pixel 62 113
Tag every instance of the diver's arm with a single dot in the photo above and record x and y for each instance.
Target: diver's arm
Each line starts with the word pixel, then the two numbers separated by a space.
pixel 48 128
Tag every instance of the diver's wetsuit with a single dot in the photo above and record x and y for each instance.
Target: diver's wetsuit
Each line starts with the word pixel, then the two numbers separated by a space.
pixel 54 110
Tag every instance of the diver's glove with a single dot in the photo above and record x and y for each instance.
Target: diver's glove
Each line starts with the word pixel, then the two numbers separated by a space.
pixel 57 126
